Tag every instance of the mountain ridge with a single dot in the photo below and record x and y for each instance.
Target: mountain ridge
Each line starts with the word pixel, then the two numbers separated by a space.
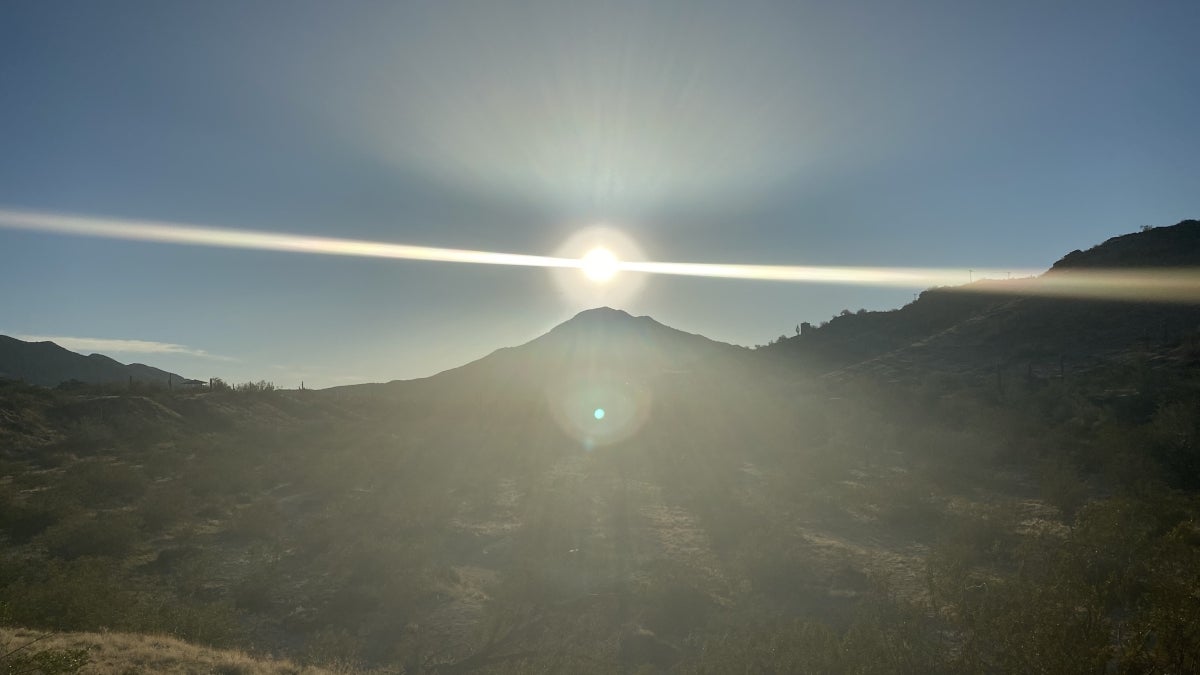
pixel 955 329
pixel 946 328
pixel 613 339
pixel 49 364
pixel 1175 245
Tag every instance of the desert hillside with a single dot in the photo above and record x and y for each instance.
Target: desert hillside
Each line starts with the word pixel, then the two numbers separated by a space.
pixel 621 496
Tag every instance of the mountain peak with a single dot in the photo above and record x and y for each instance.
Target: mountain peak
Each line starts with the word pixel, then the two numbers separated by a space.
pixel 606 320
pixel 602 314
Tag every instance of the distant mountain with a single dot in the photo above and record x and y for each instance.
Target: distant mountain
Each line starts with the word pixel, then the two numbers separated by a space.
pixel 595 340
pixel 595 376
pixel 47 364
pixel 605 339
pixel 992 323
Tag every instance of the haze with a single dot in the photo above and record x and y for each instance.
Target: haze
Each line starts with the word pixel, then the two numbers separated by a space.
pixel 862 134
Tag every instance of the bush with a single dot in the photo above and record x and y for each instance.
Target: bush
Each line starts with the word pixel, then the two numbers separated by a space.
pixel 256 592
pixel 104 483
pixel 104 535
pixel 84 594
pixel 163 507
pixel 23 521
pixel 261 521
pixel 1062 487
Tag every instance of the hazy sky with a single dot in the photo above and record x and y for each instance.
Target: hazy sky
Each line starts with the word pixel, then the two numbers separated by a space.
pixel 954 134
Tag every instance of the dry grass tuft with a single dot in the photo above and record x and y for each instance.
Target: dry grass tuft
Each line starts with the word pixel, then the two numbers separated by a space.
pixel 131 654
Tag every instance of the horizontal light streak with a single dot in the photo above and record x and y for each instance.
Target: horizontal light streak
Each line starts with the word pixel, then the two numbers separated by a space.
pixel 909 277
pixel 1146 284
pixel 1154 284
pixel 176 233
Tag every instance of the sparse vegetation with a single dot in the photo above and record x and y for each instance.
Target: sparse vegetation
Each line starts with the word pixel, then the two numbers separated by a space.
pixel 875 520
pixel 941 530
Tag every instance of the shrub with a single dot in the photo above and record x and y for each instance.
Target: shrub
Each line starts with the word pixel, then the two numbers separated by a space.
pixel 104 483
pixel 105 535
pixel 258 521
pixel 256 592
pixel 259 387
pixel 163 507
pixel 25 520
pixel 84 594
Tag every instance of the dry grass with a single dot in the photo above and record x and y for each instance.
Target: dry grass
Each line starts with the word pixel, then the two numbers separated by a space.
pixel 131 654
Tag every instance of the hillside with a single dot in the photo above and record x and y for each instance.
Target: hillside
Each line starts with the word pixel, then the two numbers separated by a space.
pixel 620 496
pixel 993 324
pixel 47 364
pixel 1173 246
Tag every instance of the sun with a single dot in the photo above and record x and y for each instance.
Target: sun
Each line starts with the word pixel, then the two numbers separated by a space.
pixel 599 264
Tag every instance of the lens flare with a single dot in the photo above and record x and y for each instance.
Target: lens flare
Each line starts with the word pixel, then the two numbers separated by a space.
pixel 600 251
pixel 177 233
pixel 610 251
pixel 597 406
pixel 599 265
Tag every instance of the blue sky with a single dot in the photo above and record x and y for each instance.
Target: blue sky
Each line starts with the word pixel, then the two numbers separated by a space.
pixel 949 134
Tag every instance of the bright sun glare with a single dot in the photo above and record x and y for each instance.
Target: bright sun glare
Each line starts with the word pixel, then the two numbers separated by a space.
pixel 599 265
